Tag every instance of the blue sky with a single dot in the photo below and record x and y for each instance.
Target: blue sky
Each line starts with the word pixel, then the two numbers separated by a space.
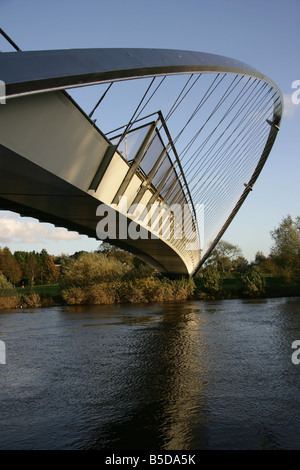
pixel 264 34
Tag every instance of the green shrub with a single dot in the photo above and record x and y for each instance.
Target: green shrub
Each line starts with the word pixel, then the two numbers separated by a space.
pixel 73 295
pixel 8 294
pixel 252 282
pixel 5 286
pixel 132 292
pixel 212 283
pixel 99 279
pixel 101 293
pixel 183 289
pixel 152 289
pixel 91 268
pixel 98 293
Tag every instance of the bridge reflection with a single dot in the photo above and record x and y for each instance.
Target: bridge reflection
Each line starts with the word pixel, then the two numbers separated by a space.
pixel 158 385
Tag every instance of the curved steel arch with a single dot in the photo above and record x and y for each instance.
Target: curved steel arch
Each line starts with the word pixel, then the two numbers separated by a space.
pixel 39 71
pixel 33 72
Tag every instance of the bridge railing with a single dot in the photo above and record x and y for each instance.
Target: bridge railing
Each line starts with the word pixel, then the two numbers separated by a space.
pixel 151 155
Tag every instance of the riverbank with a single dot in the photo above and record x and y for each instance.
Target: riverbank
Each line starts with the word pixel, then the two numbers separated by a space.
pixel 147 290
pixel 233 288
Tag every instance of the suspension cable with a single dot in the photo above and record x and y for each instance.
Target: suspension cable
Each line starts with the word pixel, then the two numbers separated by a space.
pixel 188 147
pixel 10 40
pixel 94 109
pixel 133 116
pixel 203 158
pixel 177 102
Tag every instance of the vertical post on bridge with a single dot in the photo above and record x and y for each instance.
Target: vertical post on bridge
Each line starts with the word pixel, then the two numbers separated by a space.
pixel 135 164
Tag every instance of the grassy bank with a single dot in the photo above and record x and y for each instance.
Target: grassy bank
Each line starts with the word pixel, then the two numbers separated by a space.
pixel 145 290
pixel 31 297
pixel 231 287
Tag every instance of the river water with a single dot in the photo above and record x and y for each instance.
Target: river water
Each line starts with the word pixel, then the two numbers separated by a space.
pixel 189 376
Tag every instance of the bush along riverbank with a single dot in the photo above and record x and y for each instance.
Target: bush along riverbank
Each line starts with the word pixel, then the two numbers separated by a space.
pixel 98 278
pixel 29 297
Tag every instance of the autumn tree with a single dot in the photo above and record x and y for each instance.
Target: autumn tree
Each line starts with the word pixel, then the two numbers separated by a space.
pixel 117 253
pixel 49 272
pixel 265 265
pixel 30 265
pixel 90 269
pixel 9 266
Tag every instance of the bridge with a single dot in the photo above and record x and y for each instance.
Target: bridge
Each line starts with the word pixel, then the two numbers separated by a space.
pixel 152 150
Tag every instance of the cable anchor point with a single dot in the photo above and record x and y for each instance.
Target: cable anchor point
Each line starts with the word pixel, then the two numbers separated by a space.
pixel 272 124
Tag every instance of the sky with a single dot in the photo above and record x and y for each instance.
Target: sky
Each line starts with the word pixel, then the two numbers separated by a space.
pixel 262 33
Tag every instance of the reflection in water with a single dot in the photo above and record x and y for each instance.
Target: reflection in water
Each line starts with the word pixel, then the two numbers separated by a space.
pixel 168 386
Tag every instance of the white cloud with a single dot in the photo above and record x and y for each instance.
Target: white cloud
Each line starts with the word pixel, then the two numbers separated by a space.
pixel 27 230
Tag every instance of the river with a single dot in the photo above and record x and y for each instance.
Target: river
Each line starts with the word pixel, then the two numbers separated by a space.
pixel 194 375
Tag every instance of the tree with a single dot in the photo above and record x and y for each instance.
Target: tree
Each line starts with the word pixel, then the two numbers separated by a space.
pixel 49 273
pixel 106 247
pixel 286 250
pixel 211 280
pixel 268 266
pixel 223 256
pixel 5 286
pixel 33 268
pixel 125 257
pixel 259 257
pixel 8 294
pixel 30 264
pixel 240 264
pixel 10 266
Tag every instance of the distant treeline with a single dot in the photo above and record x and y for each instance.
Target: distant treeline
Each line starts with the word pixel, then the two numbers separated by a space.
pixel 111 275
pixel 23 268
